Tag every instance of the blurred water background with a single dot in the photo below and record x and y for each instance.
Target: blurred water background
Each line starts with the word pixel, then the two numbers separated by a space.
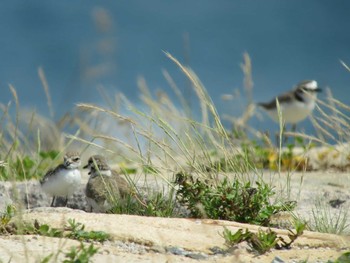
pixel 84 46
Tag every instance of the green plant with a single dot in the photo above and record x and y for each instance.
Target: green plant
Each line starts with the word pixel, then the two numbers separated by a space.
pixel 80 254
pixel 6 216
pixel 325 219
pixel 264 240
pixel 24 167
pixel 299 227
pixel 160 204
pixel 74 230
pixel 239 236
pixel 227 201
pixel 77 231
pixel 343 258
pixel 46 230
pixel 47 258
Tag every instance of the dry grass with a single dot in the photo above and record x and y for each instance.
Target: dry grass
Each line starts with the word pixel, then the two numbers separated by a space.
pixel 160 135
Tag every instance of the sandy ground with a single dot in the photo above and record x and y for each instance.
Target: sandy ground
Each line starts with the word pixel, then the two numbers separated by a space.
pixel 147 239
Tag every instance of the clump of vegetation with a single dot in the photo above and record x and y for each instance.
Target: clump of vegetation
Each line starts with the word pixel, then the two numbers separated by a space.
pixel 264 240
pixel 78 254
pixel 81 254
pixel 161 204
pixel 73 230
pixel 327 221
pixel 343 258
pixel 227 200
pixel 5 217
pixel 26 167
pixel 76 230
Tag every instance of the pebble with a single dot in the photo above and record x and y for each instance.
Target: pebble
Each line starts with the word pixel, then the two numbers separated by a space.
pixel 277 259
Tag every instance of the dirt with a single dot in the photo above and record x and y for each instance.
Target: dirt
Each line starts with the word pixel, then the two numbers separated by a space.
pixel 148 239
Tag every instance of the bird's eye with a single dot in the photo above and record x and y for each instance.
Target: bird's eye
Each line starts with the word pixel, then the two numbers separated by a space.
pixel 76 159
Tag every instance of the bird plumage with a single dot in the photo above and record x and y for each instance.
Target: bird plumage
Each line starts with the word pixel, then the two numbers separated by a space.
pixel 64 179
pixel 296 104
pixel 105 186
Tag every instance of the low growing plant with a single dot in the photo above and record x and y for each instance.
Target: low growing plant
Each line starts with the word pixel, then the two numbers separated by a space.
pixel 80 254
pixel 6 216
pixel 264 240
pixel 25 167
pixel 161 204
pixel 234 201
pixel 325 220
pixel 343 258
pixel 77 231
pixel 74 230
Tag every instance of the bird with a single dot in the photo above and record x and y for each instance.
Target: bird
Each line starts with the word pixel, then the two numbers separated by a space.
pixel 296 104
pixel 63 180
pixel 105 187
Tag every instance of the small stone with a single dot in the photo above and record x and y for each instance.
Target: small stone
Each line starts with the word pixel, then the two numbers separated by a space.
pixel 177 251
pixel 218 251
pixel 157 249
pixel 277 259
pixel 198 256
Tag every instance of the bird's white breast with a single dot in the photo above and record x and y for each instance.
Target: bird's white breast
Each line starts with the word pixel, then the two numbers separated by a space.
pixel 64 183
pixel 293 112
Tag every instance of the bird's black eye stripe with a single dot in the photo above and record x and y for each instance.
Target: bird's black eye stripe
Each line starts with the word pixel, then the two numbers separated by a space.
pixel 76 159
pixel 309 90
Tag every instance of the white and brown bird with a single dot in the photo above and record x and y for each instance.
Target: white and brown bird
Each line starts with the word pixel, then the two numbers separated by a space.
pixel 296 104
pixel 65 179
pixel 105 186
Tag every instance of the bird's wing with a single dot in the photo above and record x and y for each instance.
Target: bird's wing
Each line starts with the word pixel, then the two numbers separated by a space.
pixel 51 173
pixel 286 97
pixel 122 184
pixel 101 188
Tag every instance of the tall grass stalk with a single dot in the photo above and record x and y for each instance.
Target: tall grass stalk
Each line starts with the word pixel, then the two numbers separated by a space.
pixel 328 220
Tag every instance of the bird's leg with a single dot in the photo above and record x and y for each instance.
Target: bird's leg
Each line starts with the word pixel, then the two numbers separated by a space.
pixel 66 201
pixel 53 201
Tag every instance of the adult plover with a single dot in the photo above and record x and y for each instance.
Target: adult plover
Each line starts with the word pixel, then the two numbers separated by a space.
pixel 105 186
pixel 64 180
pixel 295 105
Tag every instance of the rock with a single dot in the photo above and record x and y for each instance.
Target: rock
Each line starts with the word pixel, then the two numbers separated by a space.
pixel 277 260
pixel 182 239
pixel 30 195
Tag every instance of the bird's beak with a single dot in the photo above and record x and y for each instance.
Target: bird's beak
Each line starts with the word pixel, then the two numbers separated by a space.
pixel 318 90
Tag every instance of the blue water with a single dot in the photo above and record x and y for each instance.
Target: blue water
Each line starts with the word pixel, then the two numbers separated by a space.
pixel 288 41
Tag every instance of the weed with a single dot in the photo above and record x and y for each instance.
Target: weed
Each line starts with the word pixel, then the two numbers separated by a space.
pixel 299 230
pixel 262 241
pixel 80 254
pixel 325 220
pixel 343 258
pixel 236 238
pixel 26 167
pixel 74 230
pixel 46 230
pixel 234 201
pixel 7 215
pixel 77 231
pixel 47 258
pixel 160 204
